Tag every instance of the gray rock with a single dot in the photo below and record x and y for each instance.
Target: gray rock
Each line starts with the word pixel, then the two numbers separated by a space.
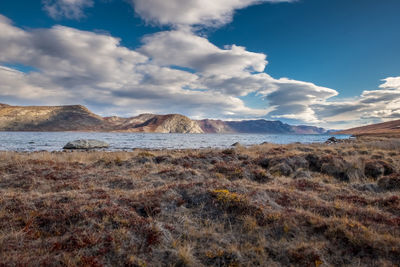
pixel 86 144
pixel 332 140
pixel 236 144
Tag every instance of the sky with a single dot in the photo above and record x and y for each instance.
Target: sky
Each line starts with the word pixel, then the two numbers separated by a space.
pixel 330 63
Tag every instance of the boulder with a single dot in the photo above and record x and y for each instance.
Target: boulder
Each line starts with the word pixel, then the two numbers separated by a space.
pixel 86 144
pixel 332 140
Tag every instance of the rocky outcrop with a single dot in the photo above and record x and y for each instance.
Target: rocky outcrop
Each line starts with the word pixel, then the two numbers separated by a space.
pixel 86 144
pixel 178 124
pixel 171 123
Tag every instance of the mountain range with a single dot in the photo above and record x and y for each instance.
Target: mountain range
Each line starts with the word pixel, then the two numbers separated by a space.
pixel 79 118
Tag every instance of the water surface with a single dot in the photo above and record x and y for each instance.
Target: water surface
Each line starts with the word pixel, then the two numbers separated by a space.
pixel 54 141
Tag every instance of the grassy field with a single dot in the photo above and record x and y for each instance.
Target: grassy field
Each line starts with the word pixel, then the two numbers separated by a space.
pixel 266 205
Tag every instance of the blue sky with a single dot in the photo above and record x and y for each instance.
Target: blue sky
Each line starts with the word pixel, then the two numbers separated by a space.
pixel 319 62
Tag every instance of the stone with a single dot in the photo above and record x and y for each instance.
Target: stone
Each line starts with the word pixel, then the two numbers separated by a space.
pixel 332 140
pixel 86 144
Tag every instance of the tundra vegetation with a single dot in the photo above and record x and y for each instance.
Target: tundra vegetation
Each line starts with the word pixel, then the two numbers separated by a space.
pixel 265 205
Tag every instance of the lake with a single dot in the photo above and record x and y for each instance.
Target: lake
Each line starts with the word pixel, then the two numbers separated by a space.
pixel 54 141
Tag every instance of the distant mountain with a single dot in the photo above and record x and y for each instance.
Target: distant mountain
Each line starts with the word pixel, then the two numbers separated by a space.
pixel 79 118
pixel 390 127
pixel 256 126
pixel 171 123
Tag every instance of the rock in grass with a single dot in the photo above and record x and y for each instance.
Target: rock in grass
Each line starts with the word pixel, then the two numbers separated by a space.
pixel 332 140
pixel 86 144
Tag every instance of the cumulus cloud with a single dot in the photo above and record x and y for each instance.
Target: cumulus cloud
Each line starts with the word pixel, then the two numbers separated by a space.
pixel 188 50
pixel 192 12
pixel 234 71
pixel 172 71
pixel 391 83
pixel 73 66
pixel 70 9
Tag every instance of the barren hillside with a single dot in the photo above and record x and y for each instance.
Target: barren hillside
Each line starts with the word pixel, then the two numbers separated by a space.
pixel 391 127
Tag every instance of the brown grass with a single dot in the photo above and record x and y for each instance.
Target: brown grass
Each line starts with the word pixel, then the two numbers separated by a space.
pixel 267 205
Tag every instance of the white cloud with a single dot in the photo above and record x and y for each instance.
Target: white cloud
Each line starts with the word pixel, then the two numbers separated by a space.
pixel 70 9
pixel 294 99
pixel 370 107
pixel 73 66
pixel 391 83
pixel 192 12
pixel 235 72
pixel 173 71
pixel 16 83
pixel 185 49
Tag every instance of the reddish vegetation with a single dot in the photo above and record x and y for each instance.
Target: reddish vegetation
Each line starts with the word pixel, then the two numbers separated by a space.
pixel 268 205
pixel 386 128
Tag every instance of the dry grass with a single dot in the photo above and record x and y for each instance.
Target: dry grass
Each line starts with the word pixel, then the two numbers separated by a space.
pixel 267 205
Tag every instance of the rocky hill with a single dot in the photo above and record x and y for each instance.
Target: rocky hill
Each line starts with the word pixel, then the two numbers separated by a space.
pixel 390 127
pixel 171 123
pixel 79 118
pixel 45 118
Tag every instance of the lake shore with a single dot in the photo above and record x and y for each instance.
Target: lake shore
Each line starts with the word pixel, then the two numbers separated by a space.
pixel 267 205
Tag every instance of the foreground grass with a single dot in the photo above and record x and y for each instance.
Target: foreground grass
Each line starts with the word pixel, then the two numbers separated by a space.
pixel 267 205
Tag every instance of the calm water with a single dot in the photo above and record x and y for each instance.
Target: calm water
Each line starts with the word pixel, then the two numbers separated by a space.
pixel 52 141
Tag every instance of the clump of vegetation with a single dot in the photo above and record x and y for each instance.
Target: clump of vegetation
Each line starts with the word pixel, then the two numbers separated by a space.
pixel 267 205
